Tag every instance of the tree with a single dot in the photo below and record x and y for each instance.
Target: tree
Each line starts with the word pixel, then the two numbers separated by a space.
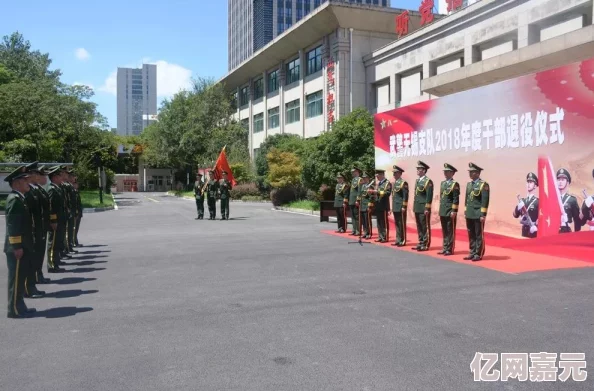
pixel 284 142
pixel 285 169
pixel 349 142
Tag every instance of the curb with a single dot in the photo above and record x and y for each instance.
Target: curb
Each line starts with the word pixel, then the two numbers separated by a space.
pixel 96 210
pixel 306 212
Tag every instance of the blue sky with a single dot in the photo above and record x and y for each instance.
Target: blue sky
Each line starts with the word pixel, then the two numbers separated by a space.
pixel 88 40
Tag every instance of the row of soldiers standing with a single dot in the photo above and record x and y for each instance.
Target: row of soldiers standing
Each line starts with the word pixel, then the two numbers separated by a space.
pixel 364 198
pixel 32 212
pixel 213 190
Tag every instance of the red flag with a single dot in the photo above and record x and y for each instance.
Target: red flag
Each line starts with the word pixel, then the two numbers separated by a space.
pixel 223 165
pixel 549 203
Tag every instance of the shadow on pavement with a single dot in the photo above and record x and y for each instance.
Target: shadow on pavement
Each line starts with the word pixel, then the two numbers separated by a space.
pixel 94 252
pixel 60 312
pixel 85 269
pixel 94 245
pixel 238 218
pixel 72 280
pixel 87 257
pixel 70 293
pixel 86 263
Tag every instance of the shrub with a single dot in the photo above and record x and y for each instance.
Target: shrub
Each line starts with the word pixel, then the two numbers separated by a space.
pixel 311 195
pixel 245 189
pixel 251 198
pixel 327 193
pixel 283 196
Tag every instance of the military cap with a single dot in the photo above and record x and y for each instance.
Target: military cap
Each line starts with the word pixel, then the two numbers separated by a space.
pixel 20 172
pixel 32 166
pixel 339 175
pixel 532 177
pixel 364 175
pixel 355 168
pixel 449 167
pixel 41 170
pixel 379 171
pixel 54 171
pixel 564 173
pixel 474 167
pixel 397 169
pixel 421 164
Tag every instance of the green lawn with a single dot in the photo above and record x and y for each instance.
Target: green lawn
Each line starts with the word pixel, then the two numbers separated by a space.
pixel 305 204
pixel 90 199
pixel 2 202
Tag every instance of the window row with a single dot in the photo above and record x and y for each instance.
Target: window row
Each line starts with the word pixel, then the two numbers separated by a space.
pixel 314 107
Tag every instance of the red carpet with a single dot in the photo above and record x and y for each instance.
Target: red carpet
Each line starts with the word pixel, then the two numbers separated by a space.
pixel 505 254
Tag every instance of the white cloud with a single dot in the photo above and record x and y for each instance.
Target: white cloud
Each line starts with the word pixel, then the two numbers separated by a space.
pixel 171 78
pixel 78 83
pixel 82 54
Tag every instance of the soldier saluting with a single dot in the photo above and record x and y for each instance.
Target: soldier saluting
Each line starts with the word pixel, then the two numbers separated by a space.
pixel 448 208
pixel 341 202
pixel 399 205
pixel 355 199
pixel 477 205
pixel 527 208
pixel 422 206
pixel 571 209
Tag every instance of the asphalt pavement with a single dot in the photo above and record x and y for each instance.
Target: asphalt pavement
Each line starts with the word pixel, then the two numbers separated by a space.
pixel 156 300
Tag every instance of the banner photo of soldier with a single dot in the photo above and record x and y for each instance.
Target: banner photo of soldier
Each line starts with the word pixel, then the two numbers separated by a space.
pixel 223 165
pixel 531 135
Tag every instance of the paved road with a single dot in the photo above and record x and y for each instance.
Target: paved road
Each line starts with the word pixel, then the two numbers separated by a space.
pixel 159 301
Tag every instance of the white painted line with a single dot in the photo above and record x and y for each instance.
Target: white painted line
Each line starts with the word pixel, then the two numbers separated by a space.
pixel 152 199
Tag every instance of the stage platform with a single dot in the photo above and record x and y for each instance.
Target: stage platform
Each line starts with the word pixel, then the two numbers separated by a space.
pixel 504 254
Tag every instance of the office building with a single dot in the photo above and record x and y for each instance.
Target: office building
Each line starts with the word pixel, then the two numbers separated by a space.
pixel 252 24
pixel 346 56
pixel 137 98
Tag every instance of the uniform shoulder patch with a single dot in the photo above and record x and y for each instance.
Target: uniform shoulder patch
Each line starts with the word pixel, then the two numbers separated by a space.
pixel 486 187
pixel 405 185
pixel 430 184
pixel 456 186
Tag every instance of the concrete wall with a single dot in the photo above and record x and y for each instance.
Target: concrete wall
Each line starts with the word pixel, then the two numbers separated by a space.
pixel 485 32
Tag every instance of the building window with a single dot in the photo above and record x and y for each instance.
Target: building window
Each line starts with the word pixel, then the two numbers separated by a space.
pixel 317 3
pixel 299 10
pixel 314 60
pixel 292 112
pixel 315 104
pixel 258 123
pixel 273 118
pixel 292 71
pixel 245 123
pixel 259 88
pixel 273 81
pixel 244 96
pixel 307 8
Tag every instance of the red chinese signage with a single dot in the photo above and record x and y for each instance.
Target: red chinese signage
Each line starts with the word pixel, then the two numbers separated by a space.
pixel 330 101
pixel 427 15
pixel 426 11
pixel 454 5
pixel 402 24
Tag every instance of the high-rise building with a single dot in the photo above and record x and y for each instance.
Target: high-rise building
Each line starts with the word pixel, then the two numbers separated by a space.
pixel 254 23
pixel 137 98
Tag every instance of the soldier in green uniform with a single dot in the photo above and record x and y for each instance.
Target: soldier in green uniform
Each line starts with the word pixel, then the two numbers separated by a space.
pixel 571 209
pixel 18 243
pixel 63 240
pixel 212 189
pixel 399 205
pixel 225 188
pixel 57 220
pixel 527 208
pixel 38 179
pixel 72 207
pixel 34 204
pixel 477 205
pixel 355 199
pixel 366 206
pixel 382 205
pixel 448 209
pixel 79 212
pixel 341 202
pixel 199 189
pixel 422 206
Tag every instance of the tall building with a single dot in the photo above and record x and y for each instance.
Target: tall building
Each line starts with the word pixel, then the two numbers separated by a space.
pixel 252 24
pixel 137 98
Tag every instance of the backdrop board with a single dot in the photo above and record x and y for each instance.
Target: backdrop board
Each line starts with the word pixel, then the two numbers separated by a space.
pixel 534 123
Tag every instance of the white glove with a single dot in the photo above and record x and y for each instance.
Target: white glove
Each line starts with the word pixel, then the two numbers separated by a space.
pixel 520 205
pixel 564 218
pixel 589 201
pixel 533 229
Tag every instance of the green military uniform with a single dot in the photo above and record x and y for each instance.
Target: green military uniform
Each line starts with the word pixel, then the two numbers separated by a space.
pixel 477 205
pixel 41 246
pixel 366 207
pixel 422 208
pixel 58 217
pixel 67 215
pixel 212 188
pixel 527 210
pixel 39 231
pixel 382 207
pixel 449 201
pixel 571 208
pixel 199 189
pixel 225 187
pixel 354 200
pixel 399 206
pixel 78 218
pixel 341 201
pixel 71 206
pixel 19 236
